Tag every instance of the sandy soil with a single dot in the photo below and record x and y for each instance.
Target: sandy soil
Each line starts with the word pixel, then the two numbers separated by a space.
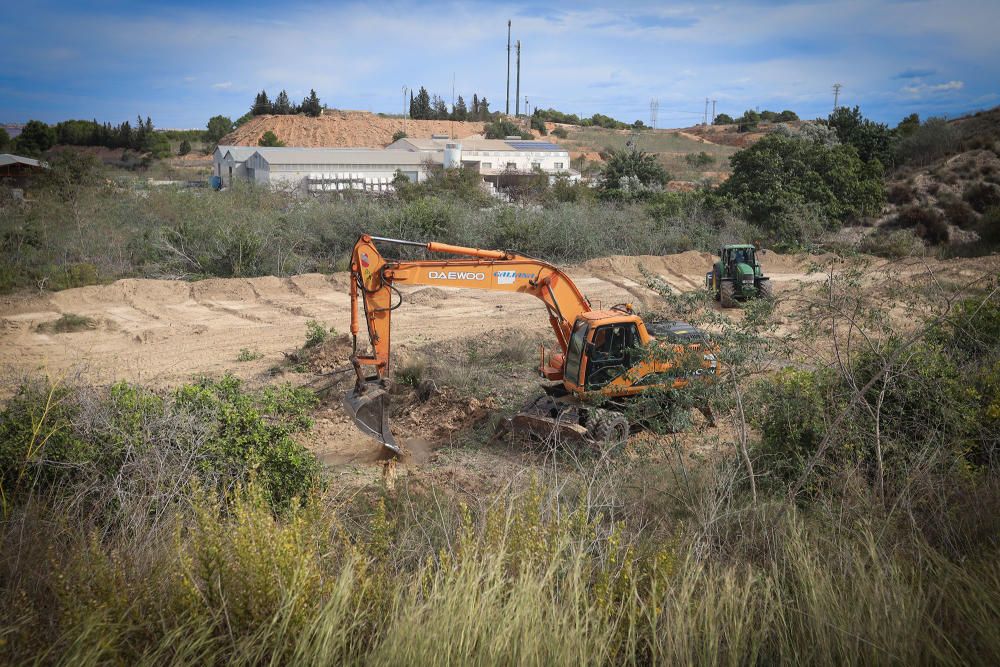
pixel 343 129
pixel 163 333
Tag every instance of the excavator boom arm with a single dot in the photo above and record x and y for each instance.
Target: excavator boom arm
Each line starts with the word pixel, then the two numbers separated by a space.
pixel 375 281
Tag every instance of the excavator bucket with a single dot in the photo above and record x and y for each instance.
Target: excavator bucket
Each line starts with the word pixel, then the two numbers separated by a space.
pixel 368 406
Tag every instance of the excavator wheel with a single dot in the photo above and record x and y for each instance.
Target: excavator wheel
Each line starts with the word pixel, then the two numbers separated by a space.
pixel 726 294
pixel 609 429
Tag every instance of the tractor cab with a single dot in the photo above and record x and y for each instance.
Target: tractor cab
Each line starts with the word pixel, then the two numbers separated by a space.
pixel 737 276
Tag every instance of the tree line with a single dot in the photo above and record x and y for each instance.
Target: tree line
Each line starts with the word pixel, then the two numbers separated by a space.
pixel 283 106
pixel 38 136
pixel 424 106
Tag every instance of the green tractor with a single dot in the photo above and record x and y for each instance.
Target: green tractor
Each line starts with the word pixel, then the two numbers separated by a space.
pixel 737 276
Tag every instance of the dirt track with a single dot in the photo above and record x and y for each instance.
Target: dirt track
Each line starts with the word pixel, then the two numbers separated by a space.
pixel 163 333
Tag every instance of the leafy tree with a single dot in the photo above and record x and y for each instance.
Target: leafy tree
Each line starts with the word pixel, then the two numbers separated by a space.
pixel 218 127
pixel 908 125
pixel 261 105
pixel 538 125
pixel 780 177
pixel 748 121
pixel 787 116
pixel 185 148
pixel 270 139
pixel 36 138
pixel 244 119
pixel 439 109
pixel 4 140
pixel 873 140
pixel 311 105
pixel 632 170
pixel 560 132
pixel 723 119
pixel 460 111
pixel 502 128
pixel 926 143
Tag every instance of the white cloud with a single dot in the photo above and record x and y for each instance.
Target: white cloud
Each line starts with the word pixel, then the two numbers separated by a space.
pixel 225 85
pixel 922 89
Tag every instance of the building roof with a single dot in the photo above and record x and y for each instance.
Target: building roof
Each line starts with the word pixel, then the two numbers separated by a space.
pixel 475 143
pixel 7 159
pixel 334 156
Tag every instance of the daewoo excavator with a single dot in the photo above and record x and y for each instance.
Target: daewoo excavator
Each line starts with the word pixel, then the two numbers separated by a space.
pixel 602 362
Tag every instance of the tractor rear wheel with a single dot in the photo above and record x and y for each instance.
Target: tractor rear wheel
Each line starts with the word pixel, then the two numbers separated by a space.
pixel 608 428
pixel 726 294
pixel 766 290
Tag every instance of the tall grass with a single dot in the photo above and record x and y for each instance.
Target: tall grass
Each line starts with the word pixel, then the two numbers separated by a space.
pixel 536 578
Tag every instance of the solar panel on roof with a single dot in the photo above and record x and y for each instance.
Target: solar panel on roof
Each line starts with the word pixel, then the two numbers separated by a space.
pixel 533 146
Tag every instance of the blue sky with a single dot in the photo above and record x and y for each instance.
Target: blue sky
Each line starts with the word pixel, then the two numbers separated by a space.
pixel 182 62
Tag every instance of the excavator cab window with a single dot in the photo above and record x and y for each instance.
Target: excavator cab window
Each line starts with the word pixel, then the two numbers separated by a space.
pixel 611 352
pixel 575 352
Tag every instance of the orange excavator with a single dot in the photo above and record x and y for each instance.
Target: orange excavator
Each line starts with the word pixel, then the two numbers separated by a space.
pixel 605 358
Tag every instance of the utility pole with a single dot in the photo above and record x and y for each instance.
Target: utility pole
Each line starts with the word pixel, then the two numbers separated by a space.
pixel 517 95
pixel 705 120
pixel 713 110
pixel 654 109
pixel 405 89
pixel 836 94
pixel 507 110
pixel 527 108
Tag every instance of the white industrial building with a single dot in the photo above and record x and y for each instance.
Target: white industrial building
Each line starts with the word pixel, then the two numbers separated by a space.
pixel 497 157
pixel 373 169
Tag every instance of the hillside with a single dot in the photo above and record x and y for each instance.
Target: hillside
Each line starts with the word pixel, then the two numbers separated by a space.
pixel 343 129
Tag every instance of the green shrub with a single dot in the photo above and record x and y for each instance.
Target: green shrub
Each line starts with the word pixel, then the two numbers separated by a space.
pixel 560 132
pixel 316 333
pixel 397 135
pixel 246 354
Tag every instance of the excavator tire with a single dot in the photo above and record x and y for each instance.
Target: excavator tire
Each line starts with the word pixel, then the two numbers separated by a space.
pixel 766 290
pixel 607 428
pixel 726 294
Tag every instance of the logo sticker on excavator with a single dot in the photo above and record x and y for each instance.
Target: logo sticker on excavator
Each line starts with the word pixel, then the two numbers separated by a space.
pixel 508 277
pixel 364 260
pixel 456 275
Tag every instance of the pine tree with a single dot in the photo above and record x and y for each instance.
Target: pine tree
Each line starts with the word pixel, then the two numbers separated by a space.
pixel 439 109
pixel 423 105
pixel 460 112
pixel 475 106
pixel 412 107
pixel 282 106
pixel 484 109
pixel 311 106
pixel 261 105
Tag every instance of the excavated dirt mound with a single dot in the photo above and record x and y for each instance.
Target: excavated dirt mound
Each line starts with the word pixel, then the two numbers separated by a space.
pixel 343 129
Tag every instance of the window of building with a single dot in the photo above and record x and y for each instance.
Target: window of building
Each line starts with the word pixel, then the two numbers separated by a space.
pixel 487 165
pixel 559 165
pixel 512 165
pixel 536 165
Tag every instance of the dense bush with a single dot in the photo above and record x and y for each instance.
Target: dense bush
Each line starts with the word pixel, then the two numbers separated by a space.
pixel 54 436
pixel 779 176
pixel 632 173
pixel 983 196
pixel 925 221
pixel 873 141
pixel 923 144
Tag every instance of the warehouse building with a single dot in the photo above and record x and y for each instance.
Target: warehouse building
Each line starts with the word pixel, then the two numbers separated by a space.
pixel 320 169
pixel 501 163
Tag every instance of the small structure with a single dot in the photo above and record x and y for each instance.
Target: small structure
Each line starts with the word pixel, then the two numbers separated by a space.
pixel 16 171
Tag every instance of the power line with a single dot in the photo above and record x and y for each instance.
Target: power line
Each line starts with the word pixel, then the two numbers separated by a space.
pixel 836 94
pixel 705 121
pixel 517 95
pixel 654 108
pixel 713 110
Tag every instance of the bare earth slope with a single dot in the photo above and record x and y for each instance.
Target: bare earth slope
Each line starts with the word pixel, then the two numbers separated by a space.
pixel 343 129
